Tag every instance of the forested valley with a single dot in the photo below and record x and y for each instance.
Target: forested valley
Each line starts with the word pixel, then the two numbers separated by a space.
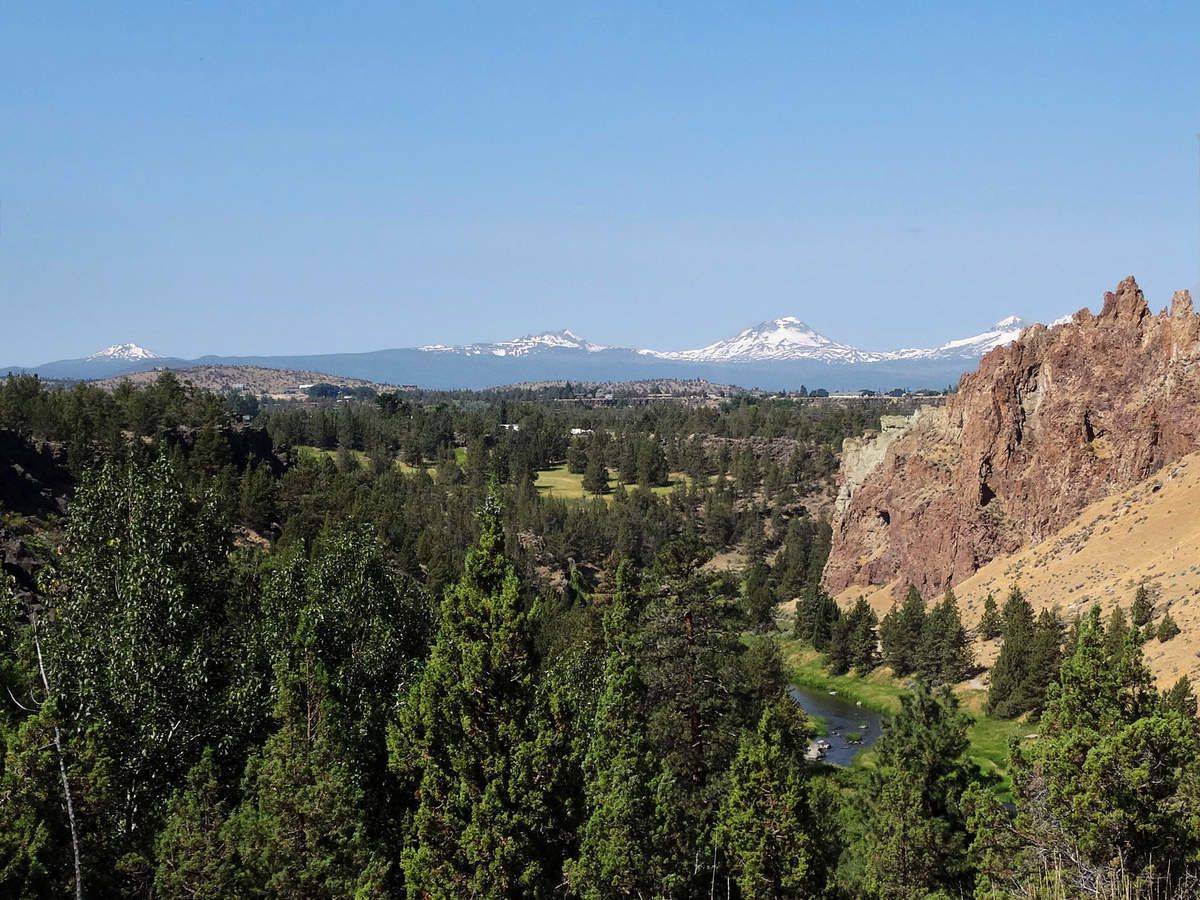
pixel 359 649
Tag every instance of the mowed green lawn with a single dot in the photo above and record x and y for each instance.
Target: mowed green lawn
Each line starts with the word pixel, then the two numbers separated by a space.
pixel 558 482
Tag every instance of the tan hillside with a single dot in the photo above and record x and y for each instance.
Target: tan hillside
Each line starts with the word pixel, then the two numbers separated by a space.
pixel 1148 534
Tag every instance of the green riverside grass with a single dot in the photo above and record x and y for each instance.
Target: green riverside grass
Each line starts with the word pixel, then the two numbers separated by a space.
pixel 880 691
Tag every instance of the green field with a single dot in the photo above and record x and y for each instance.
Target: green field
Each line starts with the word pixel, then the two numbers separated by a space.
pixel 558 482
pixel 881 692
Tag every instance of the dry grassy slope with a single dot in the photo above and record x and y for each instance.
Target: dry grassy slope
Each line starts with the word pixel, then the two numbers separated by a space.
pixel 1148 534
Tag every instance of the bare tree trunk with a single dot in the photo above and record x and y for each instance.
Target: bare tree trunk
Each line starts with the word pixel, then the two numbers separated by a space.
pixel 62 769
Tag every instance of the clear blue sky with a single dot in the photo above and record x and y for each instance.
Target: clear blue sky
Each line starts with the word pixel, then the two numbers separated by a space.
pixel 333 176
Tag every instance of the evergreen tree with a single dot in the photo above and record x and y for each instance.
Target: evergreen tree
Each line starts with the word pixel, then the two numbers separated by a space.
pixel 1181 698
pixel 577 456
pixel 195 858
pixel 1116 634
pixel 1167 628
pixel 901 633
pixel 464 741
pixel 854 641
pixel 991 626
pixel 1106 797
pixel 697 700
pixel 760 597
pixel 615 842
pixel 914 837
pixel 793 560
pixel 1045 658
pixel 301 829
pixel 945 654
pixel 764 828
pixel 595 476
pixel 1011 669
pixel 1142 609
pixel 816 615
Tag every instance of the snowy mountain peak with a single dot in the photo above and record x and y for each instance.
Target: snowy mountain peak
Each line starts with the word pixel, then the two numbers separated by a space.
pixel 530 343
pixel 1009 323
pixel 783 338
pixel 1000 334
pixel 125 351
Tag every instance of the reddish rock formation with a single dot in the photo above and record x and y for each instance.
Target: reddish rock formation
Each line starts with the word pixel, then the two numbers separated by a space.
pixel 1047 425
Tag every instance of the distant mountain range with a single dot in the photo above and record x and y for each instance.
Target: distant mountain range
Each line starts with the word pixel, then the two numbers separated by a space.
pixel 780 354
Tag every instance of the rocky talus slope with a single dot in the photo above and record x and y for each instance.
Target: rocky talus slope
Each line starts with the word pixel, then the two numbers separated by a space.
pixel 1045 427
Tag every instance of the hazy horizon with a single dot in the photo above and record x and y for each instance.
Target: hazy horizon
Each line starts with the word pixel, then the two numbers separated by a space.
pixel 303 179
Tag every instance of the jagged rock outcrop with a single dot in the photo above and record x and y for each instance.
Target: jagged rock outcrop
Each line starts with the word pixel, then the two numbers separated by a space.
pixel 34 480
pixel 1045 426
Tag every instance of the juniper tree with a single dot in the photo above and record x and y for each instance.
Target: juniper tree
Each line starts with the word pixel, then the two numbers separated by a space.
pixel 914 838
pixel 990 623
pixel 465 740
pixel 1167 628
pixel 765 829
pixel 1142 609
pixel 615 841
pixel 1106 796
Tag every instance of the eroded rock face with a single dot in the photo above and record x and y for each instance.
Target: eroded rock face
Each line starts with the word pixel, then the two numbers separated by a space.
pixel 1047 425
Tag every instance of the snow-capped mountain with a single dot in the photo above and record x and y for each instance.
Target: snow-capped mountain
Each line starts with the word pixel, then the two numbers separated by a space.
pixel 547 340
pixel 125 352
pixel 1000 334
pixel 785 338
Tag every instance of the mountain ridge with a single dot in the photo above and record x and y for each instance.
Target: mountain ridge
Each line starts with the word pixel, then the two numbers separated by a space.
pixel 783 340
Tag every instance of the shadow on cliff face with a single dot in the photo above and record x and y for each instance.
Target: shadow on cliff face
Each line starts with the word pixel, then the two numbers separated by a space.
pixel 34 480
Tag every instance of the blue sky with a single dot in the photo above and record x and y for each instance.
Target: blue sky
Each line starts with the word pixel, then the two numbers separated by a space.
pixel 336 176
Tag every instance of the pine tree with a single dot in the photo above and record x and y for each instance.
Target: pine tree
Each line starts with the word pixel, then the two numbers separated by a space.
pixel 651 463
pixel 465 737
pixel 792 563
pixel 764 828
pixel 595 477
pixel 760 597
pixel 256 506
pixel 1011 669
pixel 945 655
pixel 990 624
pixel 1045 658
pixel 902 632
pixel 697 701
pixel 816 615
pixel 854 641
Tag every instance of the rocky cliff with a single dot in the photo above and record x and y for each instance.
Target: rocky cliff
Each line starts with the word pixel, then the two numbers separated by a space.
pixel 1045 426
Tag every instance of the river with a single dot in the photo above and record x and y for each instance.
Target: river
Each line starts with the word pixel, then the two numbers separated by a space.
pixel 841 717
